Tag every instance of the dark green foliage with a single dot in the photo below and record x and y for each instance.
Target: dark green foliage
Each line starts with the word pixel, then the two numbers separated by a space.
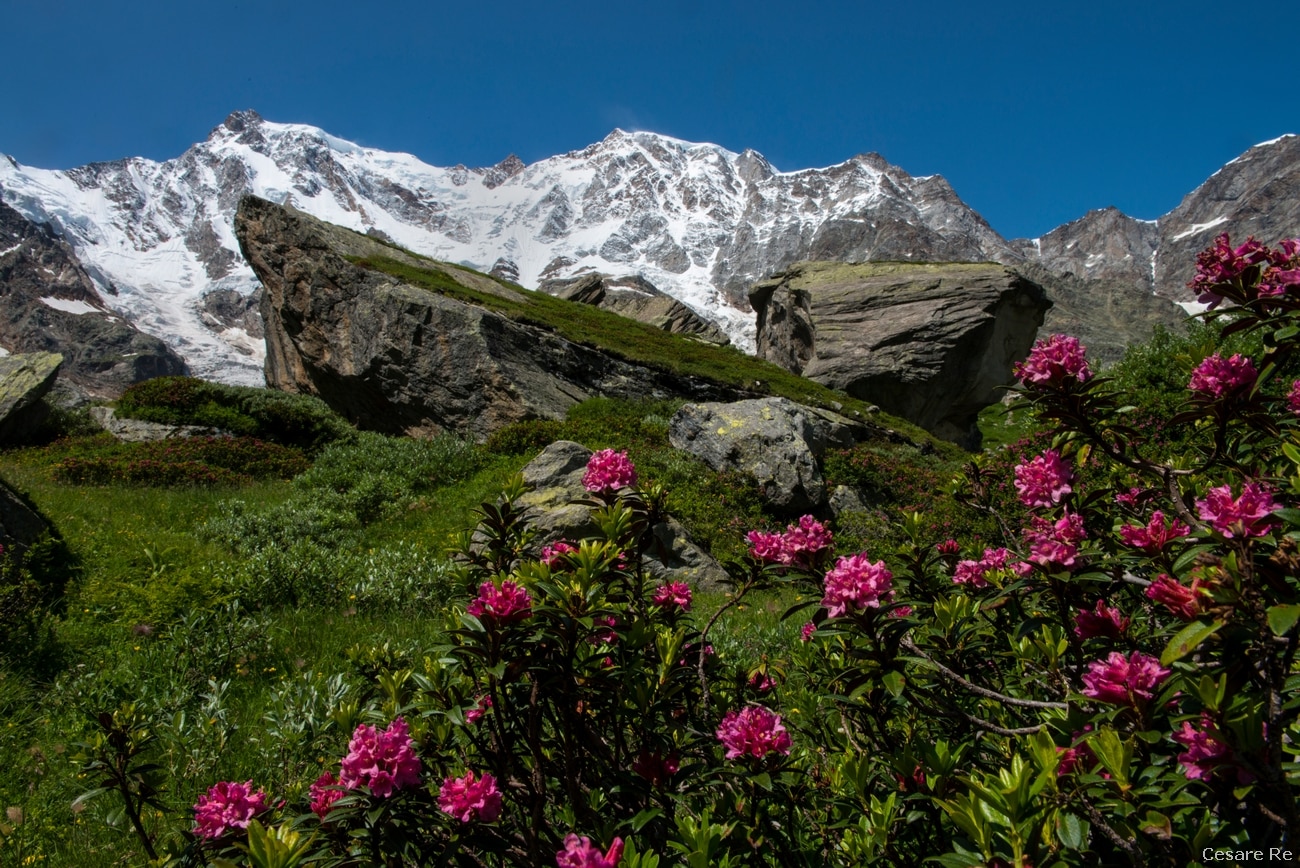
pixel 202 461
pixel 292 420
pixel 32 584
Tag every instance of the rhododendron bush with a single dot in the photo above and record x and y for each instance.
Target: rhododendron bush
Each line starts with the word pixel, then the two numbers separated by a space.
pixel 1112 682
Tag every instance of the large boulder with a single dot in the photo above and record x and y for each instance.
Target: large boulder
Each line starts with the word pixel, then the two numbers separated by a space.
pixel 20 524
pixel 933 343
pixel 639 299
pixel 553 511
pixel 400 358
pixel 24 381
pixel 774 441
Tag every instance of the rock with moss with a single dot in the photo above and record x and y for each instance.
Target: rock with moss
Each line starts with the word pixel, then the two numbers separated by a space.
pixel 24 381
pixel 555 510
pixel 639 299
pixel 774 441
pixel 933 343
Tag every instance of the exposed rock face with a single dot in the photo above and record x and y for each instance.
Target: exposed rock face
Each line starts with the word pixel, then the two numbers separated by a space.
pixel 776 442
pixel 555 477
pixel 639 299
pixel 51 305
pixel 932 343
pixel 24 380
pixel 139 431
pixel 398 358
pixel 20 525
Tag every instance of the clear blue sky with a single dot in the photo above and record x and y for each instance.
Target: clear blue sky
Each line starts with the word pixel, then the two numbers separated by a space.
pixel 1035 112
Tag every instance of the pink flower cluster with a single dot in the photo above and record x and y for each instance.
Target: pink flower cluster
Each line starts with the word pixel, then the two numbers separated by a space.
pixel 475 714
pixel 552 554
pixel 503 605
pixel 674 595
pixel 761 681
pixel 608 471
pixel 468 799
pixel 1217 377
pixel 1293 398
pixel 382 761
pixel 856 583
pixel 581 853
pixel 976 574
pixel 1183 601
pixel 1205 750
pixel 1223 271
pixel 1103 621
pixel 794 548
pixel 806 632
pixel 325 791
pixel 1155 536
pixel 655 767
pixel 227 806
pixel 753 731
pixel 1078 756
pixel 1055 543
pixel 1121 681
pixel 1244 516
pixel 1045 480
pixel 948 547
pixel 1053 361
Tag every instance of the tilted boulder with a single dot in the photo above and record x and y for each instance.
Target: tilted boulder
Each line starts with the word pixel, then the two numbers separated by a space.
pixel 933 343
pixel 398 358
pixel 636 298
pixel 552 510
pixel 24 381
pixel 774 441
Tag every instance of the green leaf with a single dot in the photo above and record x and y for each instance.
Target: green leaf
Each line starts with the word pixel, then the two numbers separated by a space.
pixel 644 817
pixel 1189 557
pixel 894 682
pixel 1282 618
pixel 1285 333
pixel 1187 640
pixel 1289 515
pixel 1072 831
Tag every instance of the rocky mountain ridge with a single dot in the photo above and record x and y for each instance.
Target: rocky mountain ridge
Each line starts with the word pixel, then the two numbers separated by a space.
pixel 697 221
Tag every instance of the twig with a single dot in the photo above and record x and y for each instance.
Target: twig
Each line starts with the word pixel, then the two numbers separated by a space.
pixel 975 688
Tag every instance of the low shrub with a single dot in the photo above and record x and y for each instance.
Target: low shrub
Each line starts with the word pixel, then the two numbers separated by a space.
pixel 199 461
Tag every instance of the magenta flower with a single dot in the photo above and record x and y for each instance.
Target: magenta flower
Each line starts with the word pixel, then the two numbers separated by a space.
pixel 766 547
pixel 900 612
pixel 753 731
pixel 1155 536
pixel 1055 544
pixel 227 806
pixel 794 548
pixel 995 561
pixel 806 632
pixel 608 471
pixel 1103 621
pixel 324 793
pixel 1205 750
pixel 1217 377
pixel 1054 361
pixel 1293 398
pixel 856 583
pixel 475 714
pixel 655 767
pixel 673 595
pixel 503 605
pixel 1181 600
pixel 1121 681
pixel 581 853
pixel 467 799
pixel 382 761
pixel 1045 480
pixel 604 633
pixel 1076 757
pixel 1132 497
pixel 948 547
pixel 1221 265
pixel 1245 516
pixel 553 554
pixel 761 682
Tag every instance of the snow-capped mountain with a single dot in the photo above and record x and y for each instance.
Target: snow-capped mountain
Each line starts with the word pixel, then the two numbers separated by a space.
pixel 696 220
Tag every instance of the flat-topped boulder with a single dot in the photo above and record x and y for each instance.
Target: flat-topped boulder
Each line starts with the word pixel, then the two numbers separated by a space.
pixel 25 378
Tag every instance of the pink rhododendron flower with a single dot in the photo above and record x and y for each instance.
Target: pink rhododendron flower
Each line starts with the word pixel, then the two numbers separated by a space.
pixel 1103 621
pixel 607 471
pixel 654 767
pixel 806 632
pixel 761 682
pixel 1077 756
pixel 382 761
pixel 475 714
pixel 1245 516
pixel 1155 536
pixel 1054 361
pixel 1293 398
pixel 948 547
pixel 673 595
pixel 227 806
pixel 604 633
pixel 794 548
pixel 997 561
pixel 1221 264
pixel 581 853
pixel 324 793
pixel 510 602
pixel 856 583
pixel 767 547
pixel 1181 600
pixel 753 731
pixel 1045 480
pixel 1055 543
pixel 1205 750
pixel 900 612
pixel 1132 497
pixel 1217 377
pixel 1121 681
pixel 552 554
pixel 468 799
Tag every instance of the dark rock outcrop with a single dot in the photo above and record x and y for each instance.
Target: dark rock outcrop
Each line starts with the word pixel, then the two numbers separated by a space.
pixel 776 442
pixel 20 524
pixel 24 381
pixel 399 358
pixel 50 305
pixel 639 299
pixel 933 343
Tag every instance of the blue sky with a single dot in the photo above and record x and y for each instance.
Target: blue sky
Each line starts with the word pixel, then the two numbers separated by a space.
pixel 1035 112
